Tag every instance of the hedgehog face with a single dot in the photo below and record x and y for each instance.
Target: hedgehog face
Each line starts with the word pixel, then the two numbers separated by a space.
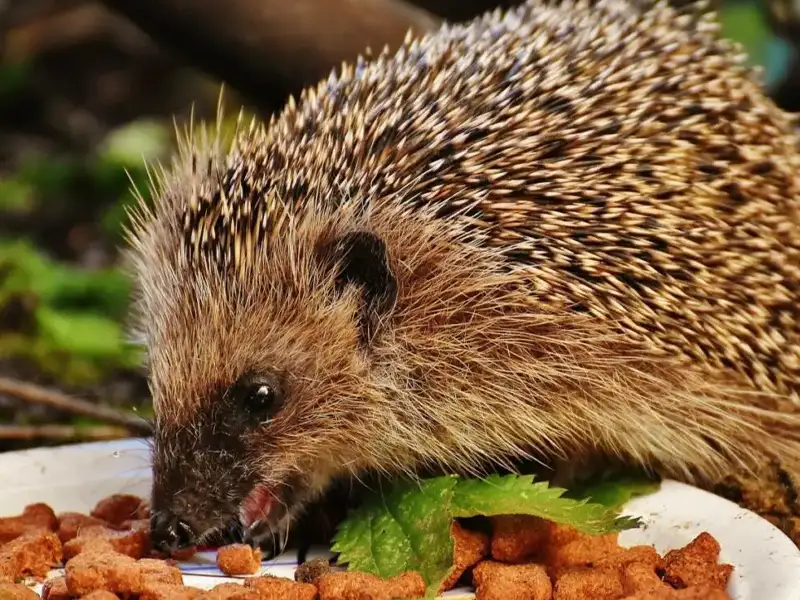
pixel 260 396
pixel 204 469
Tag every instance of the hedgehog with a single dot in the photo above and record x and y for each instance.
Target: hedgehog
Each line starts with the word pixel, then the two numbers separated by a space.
pixel 562 231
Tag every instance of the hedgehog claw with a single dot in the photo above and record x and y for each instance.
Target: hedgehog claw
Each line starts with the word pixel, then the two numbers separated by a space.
pixel 260 535
pixel 234 532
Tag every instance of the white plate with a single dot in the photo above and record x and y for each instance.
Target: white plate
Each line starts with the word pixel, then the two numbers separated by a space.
pixel 74 478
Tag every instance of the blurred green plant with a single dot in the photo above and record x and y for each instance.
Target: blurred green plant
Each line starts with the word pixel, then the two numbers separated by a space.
pixel 745 22
pixel 13 78
pixel 66 320
pixel 120 169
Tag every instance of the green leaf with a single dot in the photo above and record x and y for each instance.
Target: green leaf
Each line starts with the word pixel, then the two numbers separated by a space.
pixel 57 284
pixel 50 176
pixel 510 494
pixel 615 493
pixel 15 196
pixel 744 22
pixel 72 325
pixel 408 528
pixel 80 333
pixel 13 79
pixel 133 143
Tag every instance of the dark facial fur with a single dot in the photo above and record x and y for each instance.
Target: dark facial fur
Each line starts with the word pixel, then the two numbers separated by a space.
pixel 563 232
pixel 197 490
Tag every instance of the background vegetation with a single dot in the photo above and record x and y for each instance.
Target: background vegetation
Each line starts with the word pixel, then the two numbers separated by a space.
pixel 85 97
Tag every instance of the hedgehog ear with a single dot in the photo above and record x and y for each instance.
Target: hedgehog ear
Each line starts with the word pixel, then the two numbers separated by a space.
pixel 363 260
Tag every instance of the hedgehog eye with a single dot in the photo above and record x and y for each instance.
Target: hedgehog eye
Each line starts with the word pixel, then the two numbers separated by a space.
pixel 258 396
pixel 262 398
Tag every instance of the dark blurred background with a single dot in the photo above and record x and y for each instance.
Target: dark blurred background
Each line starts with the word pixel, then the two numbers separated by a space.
pixel 87 93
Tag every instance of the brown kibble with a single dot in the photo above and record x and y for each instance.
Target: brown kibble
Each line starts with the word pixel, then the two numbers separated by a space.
pixel 168 591
pixel 95 544
pixel 29 554
pixel 117 508
pixel 581 551
pixel 96 570
pixel 559 534
pixel 639 577
pixel 698 592
pixel 469 548
pixel 696 564
pixel 646 555
pixel 238 559
pixel 143 512
pixel 137 525
pixel 35 518
pixel 500 581
pixel 581 583
pixel 55 589
pixel 130 543
pixel 226 591
pixel 280 588
pixel 100 595
pixel 363 586
pixel 70 523
pixel 42 514
pixel 17 591
pixel 184 553
pixel 311 570
pixel 159 571
pixel 517 538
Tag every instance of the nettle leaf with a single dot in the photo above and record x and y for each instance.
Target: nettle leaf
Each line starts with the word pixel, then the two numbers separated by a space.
pixel 513 495
pixel 615 493
pixel 408 528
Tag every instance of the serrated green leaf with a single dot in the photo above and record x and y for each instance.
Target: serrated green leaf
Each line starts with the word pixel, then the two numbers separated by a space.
pixel 408 528
pixel 615 493
pixel 507 495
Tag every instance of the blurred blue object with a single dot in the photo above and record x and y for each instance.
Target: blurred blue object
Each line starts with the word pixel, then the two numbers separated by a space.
pixel 778 56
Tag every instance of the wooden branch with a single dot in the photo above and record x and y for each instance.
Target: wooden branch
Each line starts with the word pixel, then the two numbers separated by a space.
pixel 33 393
pixel 62 432
pixel 268 49
pixel 70 26
pixel 463 10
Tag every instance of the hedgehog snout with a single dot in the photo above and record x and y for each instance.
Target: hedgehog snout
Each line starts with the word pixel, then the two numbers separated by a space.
pixel 170 533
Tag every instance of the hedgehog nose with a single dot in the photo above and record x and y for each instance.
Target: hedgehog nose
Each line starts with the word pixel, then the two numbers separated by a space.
pixel 170 533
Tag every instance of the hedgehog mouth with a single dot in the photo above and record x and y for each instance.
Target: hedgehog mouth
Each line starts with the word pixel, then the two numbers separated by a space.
pixel 261 504
pixel 264 519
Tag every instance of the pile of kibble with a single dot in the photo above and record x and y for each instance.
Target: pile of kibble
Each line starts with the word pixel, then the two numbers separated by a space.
pixel 107 555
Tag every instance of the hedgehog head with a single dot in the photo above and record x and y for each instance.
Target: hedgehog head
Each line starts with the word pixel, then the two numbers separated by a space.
pixel 258 320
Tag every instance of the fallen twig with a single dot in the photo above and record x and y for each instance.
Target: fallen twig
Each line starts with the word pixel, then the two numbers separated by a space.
pixel 70 26
pixel 268 49
pixel 62 432
pixel 39 395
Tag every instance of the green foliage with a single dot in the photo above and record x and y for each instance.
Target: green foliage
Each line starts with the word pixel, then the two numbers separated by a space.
pixel 74 331
pixel 120 169
pixel 614 493
pixel 132 144
pixel 16 196
pixel 13 77
pixel 408 528
pixel 744 22
pixel 66 320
